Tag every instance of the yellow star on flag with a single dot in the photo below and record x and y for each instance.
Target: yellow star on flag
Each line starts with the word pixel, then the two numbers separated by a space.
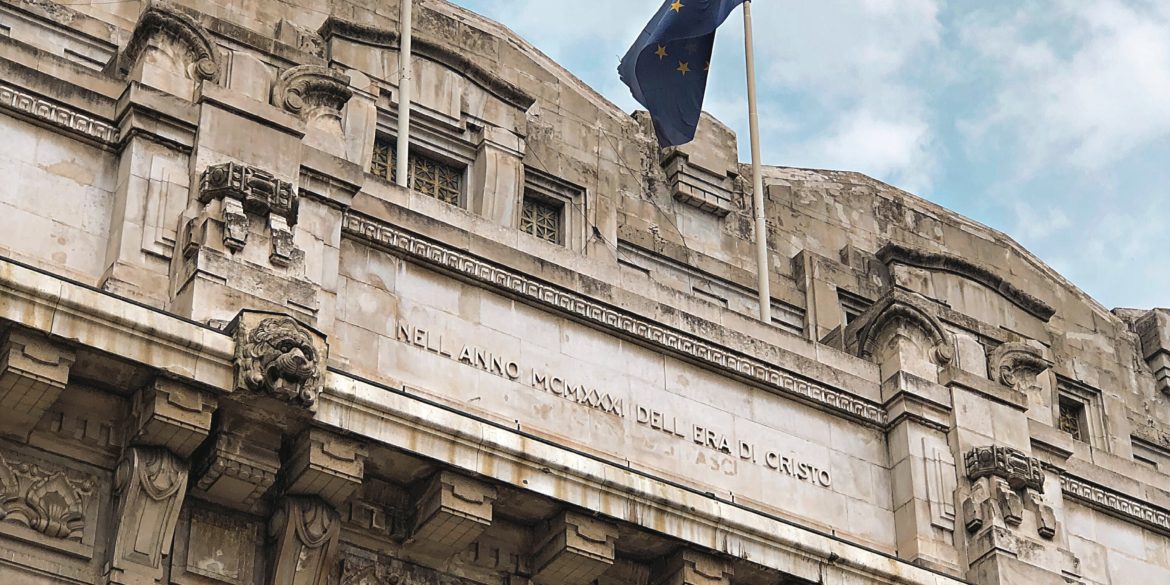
pixel 683 67
pixel 661 52
pixel 676 6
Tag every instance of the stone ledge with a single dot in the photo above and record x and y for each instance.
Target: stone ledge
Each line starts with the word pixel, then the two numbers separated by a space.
pixel 394 418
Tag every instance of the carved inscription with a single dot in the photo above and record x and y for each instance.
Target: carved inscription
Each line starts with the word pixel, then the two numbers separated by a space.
pixel 580 392
pixel 704 351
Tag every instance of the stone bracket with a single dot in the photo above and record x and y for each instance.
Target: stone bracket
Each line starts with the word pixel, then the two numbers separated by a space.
pixel 248 190
pixel 173 415
pixel 1014 466
pixel 304 532
pixel 324 464
pixel 573 549
pixel 238 467
pixel 451 512
pixel 33 373
pixel 150 483
pixel 688 567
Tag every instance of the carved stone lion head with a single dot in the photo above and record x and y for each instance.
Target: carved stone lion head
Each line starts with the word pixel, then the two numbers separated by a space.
pixel 280 359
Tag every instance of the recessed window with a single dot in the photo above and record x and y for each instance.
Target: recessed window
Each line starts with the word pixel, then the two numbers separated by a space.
pixel 426 175
pixel 543 218
pixel 852 305
pixel 1072 418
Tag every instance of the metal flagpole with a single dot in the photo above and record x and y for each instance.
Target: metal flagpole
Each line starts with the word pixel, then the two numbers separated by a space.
pixel 757 180
pixel 404 91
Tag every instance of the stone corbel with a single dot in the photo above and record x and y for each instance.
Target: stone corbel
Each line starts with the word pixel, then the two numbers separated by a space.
pixel 279 357
pixel 304 533
pixel 150 484
pixel 326 465
pixel 688 567
pixel 573 549
pixel 317 95
pixel 180 38
pixel 246 190
pixel 239 465
pixel 1153 328
pixel 1005 483
pixel 172 415
pixel 33 373
pixel 452 511
pixel 1017 365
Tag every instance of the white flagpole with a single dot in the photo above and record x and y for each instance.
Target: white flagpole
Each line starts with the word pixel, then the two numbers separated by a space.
pixel 404 90
pixel 762 271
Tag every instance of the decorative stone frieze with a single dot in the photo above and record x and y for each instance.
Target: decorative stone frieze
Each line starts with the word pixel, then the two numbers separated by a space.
pixel 247 190
pixel 573 549
pixel 1119 505
pixel 279 357
pixel 54 502
pixel 1017 365
pixel 33 373
pixel 689 567
pixel 164 27
pixel 304 533
pixel 451 513
pixel 1015 467
pixel 56 114
pixel 324 464
pixel 173 415
pixel 150 484
pixel 361 568
pixel 600 314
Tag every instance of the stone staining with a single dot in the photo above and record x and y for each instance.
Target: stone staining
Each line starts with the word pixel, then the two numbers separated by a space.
pixel 51 502
pixel 163 27
pixel 278 358
pixel 1001 475
pixel 1018 469
pixel 573 549
pixel 305 532
pixel 56 114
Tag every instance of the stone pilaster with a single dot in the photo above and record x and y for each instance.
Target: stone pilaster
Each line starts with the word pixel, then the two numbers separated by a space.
pixel 573 549
pixel 451 513
pixel 33 373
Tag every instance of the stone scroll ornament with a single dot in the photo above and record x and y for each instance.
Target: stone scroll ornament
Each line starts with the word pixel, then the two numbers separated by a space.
pixel 279 358
pixel 51 502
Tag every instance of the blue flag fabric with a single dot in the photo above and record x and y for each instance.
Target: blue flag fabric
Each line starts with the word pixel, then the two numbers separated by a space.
pixel 666 68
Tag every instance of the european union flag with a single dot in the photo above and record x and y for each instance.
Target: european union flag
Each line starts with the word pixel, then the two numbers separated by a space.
pixel 666 69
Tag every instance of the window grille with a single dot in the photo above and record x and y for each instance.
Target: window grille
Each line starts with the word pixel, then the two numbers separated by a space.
pixel 543 219
pixel 1072 418
pixel 425 175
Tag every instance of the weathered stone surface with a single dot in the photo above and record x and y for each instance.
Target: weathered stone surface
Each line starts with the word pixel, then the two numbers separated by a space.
pixel 206 267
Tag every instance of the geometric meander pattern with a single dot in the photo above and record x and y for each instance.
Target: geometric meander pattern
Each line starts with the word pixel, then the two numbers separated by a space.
pixel 703 351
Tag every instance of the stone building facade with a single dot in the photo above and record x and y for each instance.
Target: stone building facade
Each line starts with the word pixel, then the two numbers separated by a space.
pixel 233 352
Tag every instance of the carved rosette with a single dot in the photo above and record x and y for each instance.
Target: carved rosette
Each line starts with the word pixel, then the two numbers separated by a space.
pixel 304 531
pixel 161 24
pixel 1018 365
pixel 52 502
pixel 280 358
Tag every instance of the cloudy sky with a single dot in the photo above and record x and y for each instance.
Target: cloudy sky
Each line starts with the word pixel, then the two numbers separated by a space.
pixel 1047 119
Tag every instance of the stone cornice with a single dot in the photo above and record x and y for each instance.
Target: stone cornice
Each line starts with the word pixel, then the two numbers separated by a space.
pixel 56 114
pixel 391 416
pixel 84 315
pixel 579 307
pixel 894 253
pixel 1111 502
